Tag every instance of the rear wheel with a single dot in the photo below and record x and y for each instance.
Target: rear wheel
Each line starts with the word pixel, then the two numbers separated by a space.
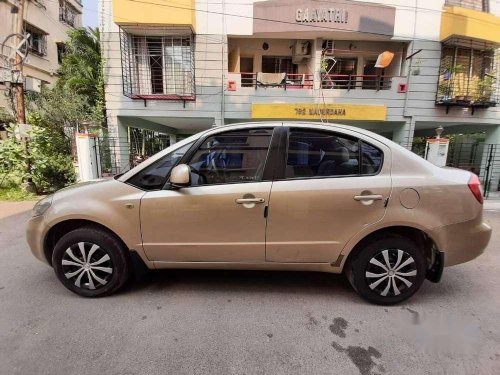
pixel 388 270
pixel 90 262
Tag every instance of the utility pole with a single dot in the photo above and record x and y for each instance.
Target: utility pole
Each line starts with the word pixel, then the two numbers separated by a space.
pixel 18 84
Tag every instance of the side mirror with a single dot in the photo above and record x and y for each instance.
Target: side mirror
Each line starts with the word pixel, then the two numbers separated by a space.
pixel 180 176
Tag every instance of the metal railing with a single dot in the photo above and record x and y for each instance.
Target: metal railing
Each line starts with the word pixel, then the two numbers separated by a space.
pixel 480 158
pixel 291 81
pixel 352 82
pixel 480 5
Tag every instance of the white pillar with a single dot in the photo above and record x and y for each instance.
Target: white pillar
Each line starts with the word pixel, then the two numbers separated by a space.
pixel 403 134
pixel 118 146
pixel 172 138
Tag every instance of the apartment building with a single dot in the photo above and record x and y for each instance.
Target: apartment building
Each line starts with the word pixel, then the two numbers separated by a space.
pixel 181 66
pixel 47 22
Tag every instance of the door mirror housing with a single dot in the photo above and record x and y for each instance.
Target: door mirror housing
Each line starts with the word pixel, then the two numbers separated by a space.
pixel 180 176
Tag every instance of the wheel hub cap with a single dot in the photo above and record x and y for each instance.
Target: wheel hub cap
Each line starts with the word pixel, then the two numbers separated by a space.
pixel 88 265
pixel 391 272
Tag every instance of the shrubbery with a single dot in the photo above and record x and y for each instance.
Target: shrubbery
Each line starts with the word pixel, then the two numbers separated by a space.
pixel 48 154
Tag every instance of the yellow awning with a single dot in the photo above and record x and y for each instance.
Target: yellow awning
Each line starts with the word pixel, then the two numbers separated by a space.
pixel 151 12
pixel 461 22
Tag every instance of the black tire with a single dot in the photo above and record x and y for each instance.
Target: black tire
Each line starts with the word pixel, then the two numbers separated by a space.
pixel 110 259
pixel 360 270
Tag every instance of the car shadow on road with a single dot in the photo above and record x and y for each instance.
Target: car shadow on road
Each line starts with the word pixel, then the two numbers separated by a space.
pixel 272 282
pixel 242 281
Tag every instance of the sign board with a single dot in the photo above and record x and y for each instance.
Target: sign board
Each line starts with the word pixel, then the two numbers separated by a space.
pixel 320 111
pixel 324 17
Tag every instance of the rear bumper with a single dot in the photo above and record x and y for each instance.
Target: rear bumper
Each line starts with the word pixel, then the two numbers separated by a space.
pixel 462 242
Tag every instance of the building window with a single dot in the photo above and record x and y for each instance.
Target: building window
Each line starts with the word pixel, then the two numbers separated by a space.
pixel 467 77
pixel 158 67
pixel 61 50
pixel 67 13
pixel 37 41
pixel 278 64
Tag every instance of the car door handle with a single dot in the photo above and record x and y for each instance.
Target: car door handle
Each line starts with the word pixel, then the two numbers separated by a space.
pixel 250 200
pixel 374 197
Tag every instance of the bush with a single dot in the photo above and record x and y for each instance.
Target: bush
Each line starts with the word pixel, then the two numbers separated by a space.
pixel 49 154
pixel 13 164
pixel 50 157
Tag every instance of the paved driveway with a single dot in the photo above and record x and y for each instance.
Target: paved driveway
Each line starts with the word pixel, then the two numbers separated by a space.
pixel 221 322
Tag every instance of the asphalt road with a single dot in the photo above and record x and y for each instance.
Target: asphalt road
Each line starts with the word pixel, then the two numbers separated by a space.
pixel 221 322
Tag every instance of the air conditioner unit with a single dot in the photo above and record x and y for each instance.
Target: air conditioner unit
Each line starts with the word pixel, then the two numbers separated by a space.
pixel 302 48
pixel 328 45
pixel 32 84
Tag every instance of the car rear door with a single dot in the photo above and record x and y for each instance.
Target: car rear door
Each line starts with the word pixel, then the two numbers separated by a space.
pixel 329 186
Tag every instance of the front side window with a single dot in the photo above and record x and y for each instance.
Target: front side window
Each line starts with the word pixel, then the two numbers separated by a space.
pixel 154 176
pixel 231 157
pixel 323 154
pixel 158 66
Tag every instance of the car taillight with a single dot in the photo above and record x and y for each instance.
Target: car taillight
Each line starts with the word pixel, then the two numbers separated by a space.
pixel 475 187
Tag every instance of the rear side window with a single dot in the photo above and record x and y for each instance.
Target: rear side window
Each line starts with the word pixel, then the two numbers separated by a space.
pixel 324 154
pixel 155 176
pixel 231 157
pixel 371 159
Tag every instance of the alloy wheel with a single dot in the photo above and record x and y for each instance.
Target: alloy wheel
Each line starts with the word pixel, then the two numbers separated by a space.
pixel 88 264
pixel 391 272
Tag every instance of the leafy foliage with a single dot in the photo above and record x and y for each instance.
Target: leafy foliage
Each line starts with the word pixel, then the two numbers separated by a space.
pixel 13 162
pixel 50 157
pixel 78 97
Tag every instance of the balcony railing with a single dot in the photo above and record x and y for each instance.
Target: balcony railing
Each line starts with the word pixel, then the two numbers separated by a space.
pixel 290 81
pixel 352 82
pixel 328 81
pixel 480 5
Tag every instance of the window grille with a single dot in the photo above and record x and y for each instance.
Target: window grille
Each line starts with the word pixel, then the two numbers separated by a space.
pixel 158 67
pixel 37 43
pixel 468 75
pixel 67 13
pixel 479 5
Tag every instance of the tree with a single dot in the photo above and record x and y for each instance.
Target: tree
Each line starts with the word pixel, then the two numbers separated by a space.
pixel 78 96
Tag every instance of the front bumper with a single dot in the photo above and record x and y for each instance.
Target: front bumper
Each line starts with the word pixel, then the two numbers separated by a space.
pixel 462 242
pixel 36 229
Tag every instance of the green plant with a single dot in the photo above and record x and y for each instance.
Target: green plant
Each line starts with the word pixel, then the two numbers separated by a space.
pixel 484 89
pixel 445 86
pixel 13 162
pixel 50 157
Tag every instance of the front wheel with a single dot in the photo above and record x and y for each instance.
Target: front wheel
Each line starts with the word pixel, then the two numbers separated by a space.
pixel 90 262
pixel 388 270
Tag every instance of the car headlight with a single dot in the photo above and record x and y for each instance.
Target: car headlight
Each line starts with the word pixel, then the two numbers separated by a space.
pixel 42 205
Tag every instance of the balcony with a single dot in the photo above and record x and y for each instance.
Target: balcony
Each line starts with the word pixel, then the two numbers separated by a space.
pixel 467 78
pixel 273 80
pixel 306 81
pixel 353 82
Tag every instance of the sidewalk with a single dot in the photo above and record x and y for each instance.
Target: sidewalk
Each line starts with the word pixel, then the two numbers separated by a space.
pixel 8 208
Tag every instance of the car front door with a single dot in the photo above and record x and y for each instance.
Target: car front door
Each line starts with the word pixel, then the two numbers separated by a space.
pixel 331 185
pixel 220 216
